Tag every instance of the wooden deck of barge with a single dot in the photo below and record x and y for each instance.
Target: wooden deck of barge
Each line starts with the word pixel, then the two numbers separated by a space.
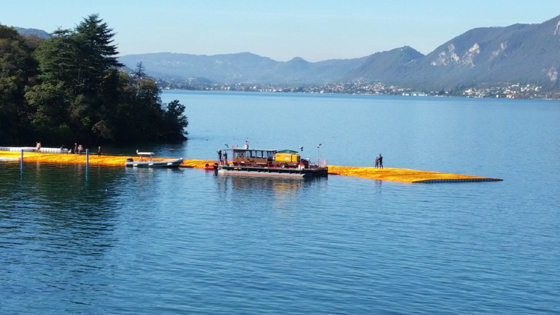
pixel 388 174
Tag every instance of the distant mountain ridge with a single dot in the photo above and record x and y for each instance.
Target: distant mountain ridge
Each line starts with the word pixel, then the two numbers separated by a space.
pixel 32 31
pixel 246 68
pixel 520 53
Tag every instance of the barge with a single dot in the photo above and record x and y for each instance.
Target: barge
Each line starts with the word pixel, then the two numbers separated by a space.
pixel 269 163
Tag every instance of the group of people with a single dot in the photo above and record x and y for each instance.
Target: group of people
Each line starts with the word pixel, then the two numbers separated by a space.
pixel 222 156
pixel 379 161
pixel 78 148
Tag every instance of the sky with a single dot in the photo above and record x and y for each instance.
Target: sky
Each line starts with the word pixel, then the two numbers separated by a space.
pixel 314 30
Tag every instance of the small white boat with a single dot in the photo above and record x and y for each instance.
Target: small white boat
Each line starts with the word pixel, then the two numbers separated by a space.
pixel 146 159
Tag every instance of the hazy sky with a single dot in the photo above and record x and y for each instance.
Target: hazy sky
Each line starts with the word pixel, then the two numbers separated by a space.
pixel 315 30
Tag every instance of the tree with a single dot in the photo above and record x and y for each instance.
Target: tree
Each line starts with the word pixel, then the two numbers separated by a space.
pixel 82 62
pixel 68 88
pixel 18 69
pixel 139 72
pixel 174 122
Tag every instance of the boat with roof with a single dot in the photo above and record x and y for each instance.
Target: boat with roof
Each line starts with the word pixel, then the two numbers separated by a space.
pixel 268 163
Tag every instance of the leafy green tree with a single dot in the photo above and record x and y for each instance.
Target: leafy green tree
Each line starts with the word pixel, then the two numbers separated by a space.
pixel 18 69
pixel 68 88
pixel 142 116
pixel 50 116
pixel 83 63
pixel 174 122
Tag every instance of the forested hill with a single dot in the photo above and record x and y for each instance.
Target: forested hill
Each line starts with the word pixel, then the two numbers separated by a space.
pixel 520 53
pixel 68 88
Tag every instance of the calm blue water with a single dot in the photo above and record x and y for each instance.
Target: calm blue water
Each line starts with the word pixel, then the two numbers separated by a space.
pixel 124 241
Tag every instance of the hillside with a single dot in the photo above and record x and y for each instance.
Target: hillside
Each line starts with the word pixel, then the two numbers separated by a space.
pixel 520 53
pixel 246 68
pixel 32 31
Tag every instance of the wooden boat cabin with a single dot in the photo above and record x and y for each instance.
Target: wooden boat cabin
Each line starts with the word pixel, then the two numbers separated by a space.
pixel 266 158
pixel 252 157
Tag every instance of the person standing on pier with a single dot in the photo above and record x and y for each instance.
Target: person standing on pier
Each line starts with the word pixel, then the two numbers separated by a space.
pixel 75 147
pixel 220 155
pixel 376 162
pixel 98 150
pixel 80 148
pixel 380 160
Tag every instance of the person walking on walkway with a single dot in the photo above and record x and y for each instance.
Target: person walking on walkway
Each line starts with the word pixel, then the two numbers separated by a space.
pixel 380 160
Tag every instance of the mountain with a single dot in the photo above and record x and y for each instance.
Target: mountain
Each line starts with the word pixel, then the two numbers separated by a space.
pixel 32 31
pixel 246 68
pixel 493 56
pixel 520 53
pixel 386 66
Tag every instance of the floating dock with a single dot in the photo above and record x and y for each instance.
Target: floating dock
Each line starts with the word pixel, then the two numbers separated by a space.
pixel 406 175
pixel 386 174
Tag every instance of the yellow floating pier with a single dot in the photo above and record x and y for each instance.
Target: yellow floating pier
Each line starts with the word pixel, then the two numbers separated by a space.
pixel 390 174
pixel 405 175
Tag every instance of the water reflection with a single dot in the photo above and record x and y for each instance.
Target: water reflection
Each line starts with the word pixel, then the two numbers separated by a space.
pixel 60 207
pixel 245 192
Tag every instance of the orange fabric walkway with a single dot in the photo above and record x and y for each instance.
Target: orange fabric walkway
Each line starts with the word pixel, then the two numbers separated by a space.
pixel 390 174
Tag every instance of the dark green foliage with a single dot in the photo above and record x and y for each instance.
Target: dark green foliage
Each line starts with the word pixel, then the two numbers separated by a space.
pixel 173 119
pixel 17 70
pixel 68 88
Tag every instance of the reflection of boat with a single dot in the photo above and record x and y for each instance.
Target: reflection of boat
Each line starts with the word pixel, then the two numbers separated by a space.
pixel 260 184
pixel 270 163
pixel 146 159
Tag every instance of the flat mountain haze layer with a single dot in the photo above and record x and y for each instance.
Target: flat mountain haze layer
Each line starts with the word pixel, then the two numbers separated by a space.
pixel 245 68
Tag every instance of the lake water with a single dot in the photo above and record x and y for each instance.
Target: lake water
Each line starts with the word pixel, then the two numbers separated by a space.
pixel 140 241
